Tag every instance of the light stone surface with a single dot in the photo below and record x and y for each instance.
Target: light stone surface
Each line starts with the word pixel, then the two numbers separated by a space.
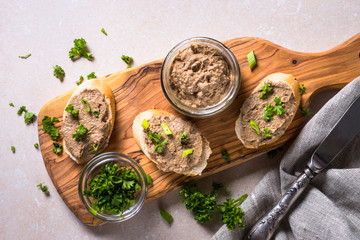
pixel 145 30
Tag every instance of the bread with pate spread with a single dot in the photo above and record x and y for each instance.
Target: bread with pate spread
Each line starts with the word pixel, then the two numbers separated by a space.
pixel 88 120
pixel 268 111
pixel 173 144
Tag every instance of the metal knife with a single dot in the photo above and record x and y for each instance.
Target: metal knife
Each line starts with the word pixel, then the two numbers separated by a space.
pixel 346 128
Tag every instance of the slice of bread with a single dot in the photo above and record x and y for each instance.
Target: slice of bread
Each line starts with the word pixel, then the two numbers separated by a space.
pixel 99 128
pixel 140 137
pixel 284 86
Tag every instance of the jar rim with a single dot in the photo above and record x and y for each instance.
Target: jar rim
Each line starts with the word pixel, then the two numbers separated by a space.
pixel 209 110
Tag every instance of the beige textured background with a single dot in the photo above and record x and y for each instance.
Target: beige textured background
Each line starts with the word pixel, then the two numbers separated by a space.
pixel 145 30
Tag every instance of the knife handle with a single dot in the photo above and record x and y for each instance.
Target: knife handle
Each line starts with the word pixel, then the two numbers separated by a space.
pixel 266 226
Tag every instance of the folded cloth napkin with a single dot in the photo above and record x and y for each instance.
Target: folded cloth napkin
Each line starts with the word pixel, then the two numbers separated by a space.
pixel 330 207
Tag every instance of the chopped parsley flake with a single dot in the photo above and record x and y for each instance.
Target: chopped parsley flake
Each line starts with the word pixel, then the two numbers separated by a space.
pixel 59 72
pixel 103 31
pixel 127 60
pixel 80 50
pixel 91 76
pixel 80 132
pixel 26 56
pixel 48 126
pixel 81 79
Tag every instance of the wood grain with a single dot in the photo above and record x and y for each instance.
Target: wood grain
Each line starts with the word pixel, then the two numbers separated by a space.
pixel 138 89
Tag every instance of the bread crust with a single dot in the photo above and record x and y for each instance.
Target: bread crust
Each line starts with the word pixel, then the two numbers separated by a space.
pixel 139 136
pixel 110 100
pixel 275 77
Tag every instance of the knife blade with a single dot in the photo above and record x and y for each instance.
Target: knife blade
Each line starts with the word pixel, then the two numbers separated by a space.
pixel 343 132
pixel 347 127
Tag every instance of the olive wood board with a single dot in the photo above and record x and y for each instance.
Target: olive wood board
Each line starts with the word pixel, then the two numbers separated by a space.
pixel 138 89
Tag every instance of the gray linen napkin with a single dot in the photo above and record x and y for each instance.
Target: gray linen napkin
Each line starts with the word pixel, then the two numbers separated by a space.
pixel 330 207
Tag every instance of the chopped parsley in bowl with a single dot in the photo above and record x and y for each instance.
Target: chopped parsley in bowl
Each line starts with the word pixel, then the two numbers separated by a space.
pixel 113 187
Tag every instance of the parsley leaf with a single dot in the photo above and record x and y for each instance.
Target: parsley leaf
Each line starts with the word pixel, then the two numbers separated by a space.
pixel 218 186
pixel 273 153
pixel 29 117
pixel 279 109
pixel 13 149
pixel 160 146
pixel 114 189
pixel 80 50
pixel 266 89
pixel 86 104
pixel 81 79
pixel 232 214
pixel 127 60
pixel 36 145
pixel 202 205
pixel 266 133
pixel 70 109
pixel 11 105
pixel 95 147
pixel 91 76
pixel 48 126
pixel 166 216
pixel 26 56
pixel 21 110
pixel 57 149
pixel 43 188
pixel 302 89
pixel 254 126
pixel 149 179
pixel 268 112
pixel 59 72
pixel 156 137
pixel 103 31
pixel 96 113
pixel 305 111
pixel 225 155
pixel 183 136
pixel 80 132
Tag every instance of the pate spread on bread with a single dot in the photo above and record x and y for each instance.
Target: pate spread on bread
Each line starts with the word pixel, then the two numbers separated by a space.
pixel 96 113
pixel 183 149
pixel 265 117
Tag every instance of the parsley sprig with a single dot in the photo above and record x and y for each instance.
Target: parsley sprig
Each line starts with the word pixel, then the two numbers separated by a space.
pixel 91 75
pixel 70 109
pixel 225 155
pixel 43 188
pixel 204 206
pixel 80 132
pixel 278 106
pixel 48 126
pixel 58 148
pixel 114 189
pixel 160 144
pixel 305 111
pixel 302 89
pixel 80 50
pixel 231 214
pixel 127 60
pixel 266 89
pixel 59 72
pixel 268 113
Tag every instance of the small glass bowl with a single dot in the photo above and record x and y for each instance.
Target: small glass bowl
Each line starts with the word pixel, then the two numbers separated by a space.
pixel 210 110
pixel 92 168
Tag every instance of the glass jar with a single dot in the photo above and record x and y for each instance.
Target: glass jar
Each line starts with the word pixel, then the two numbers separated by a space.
pixel 209 110
pixel 92 168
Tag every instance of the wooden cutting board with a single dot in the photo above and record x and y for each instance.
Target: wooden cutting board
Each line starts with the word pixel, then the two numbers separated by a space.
pixel 138 89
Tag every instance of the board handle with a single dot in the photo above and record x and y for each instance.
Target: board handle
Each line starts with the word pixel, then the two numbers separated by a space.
pixel 340 65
